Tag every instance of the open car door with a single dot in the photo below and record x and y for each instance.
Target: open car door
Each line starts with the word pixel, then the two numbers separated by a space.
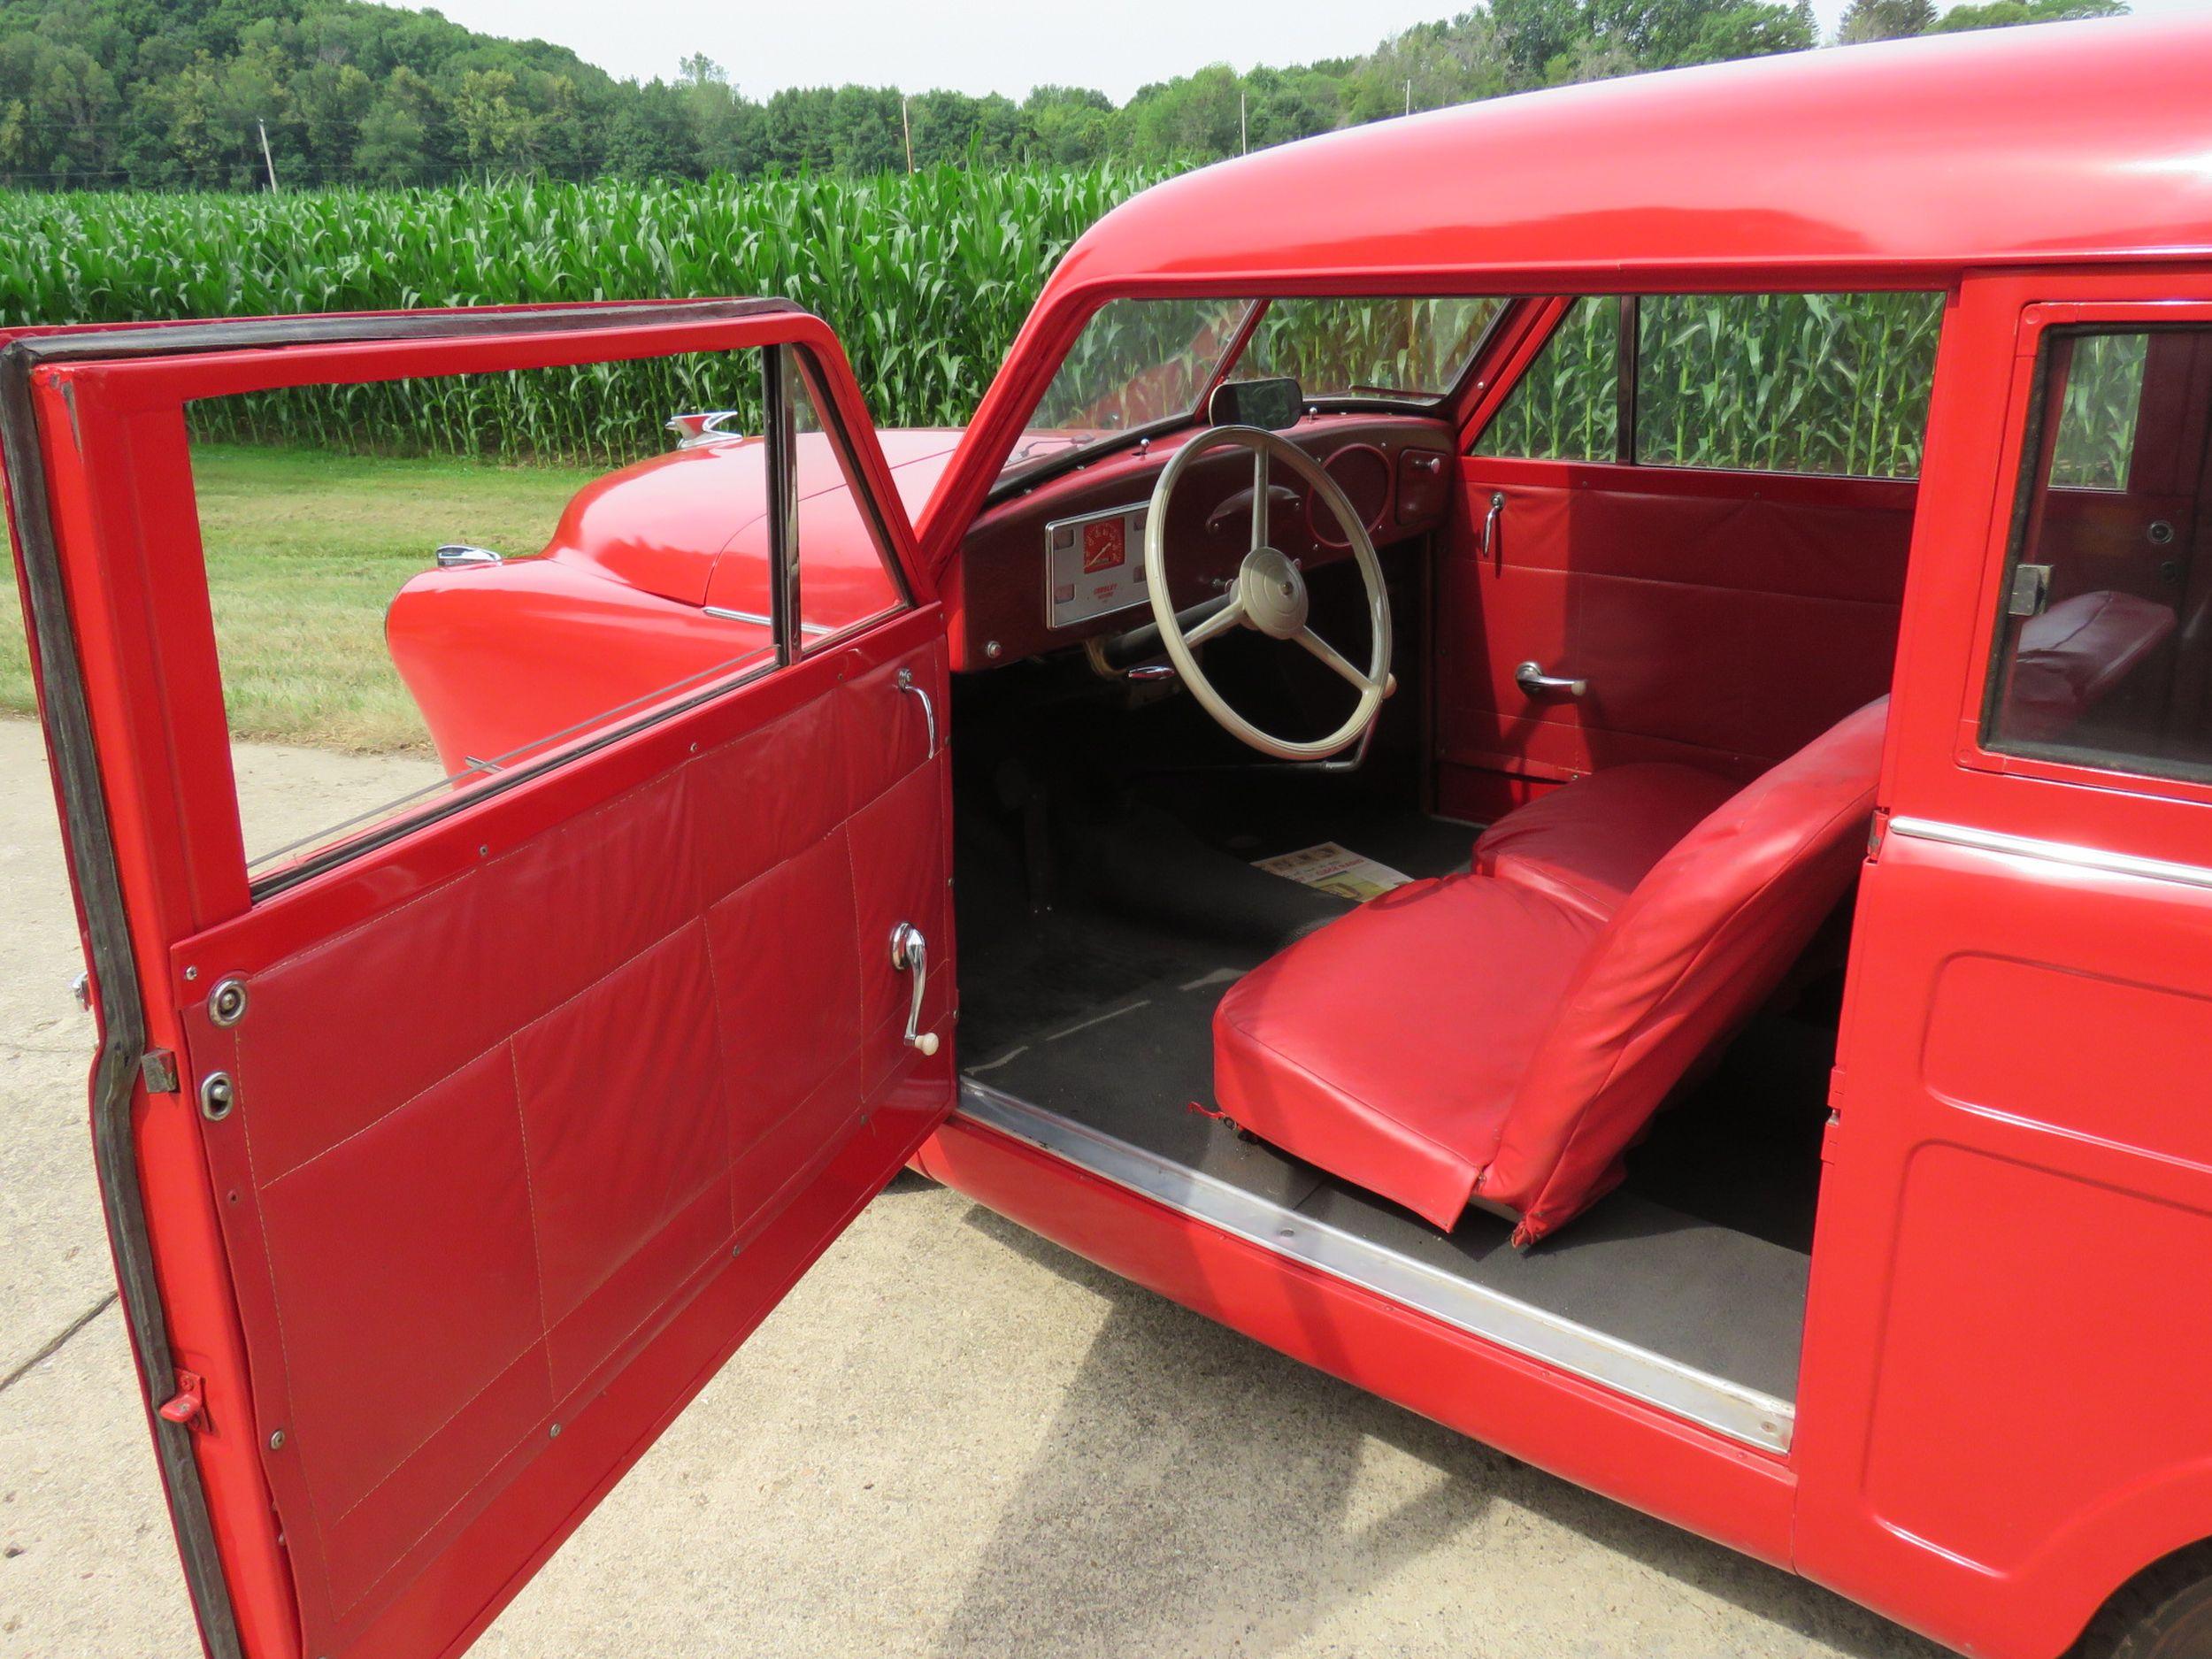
pixel 446 1154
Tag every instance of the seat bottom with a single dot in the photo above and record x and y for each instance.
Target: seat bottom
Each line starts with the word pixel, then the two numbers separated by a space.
pixel 1387 1048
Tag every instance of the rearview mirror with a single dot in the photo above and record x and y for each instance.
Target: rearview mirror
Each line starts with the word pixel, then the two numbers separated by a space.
pixel 1274 405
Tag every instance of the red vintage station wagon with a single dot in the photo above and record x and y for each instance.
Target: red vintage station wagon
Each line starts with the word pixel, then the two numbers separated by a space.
pixel 1557 756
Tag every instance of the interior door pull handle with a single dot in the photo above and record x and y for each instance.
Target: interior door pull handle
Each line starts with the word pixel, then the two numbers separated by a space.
pixel 1531 678
pixel 910 953
pixel 929 713
pixel 1490 524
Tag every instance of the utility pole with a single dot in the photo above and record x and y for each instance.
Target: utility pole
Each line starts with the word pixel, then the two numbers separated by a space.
pixel 1244 132
pixel 1408 97
pixel 268 160
pixel 907 126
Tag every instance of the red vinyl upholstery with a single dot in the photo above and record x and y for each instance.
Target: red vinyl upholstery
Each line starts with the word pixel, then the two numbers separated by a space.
pixel 2077 654
pixel 1501 1036
pixel 1589 845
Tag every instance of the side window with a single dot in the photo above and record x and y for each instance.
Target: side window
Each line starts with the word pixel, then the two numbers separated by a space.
pixel 1832 384
pixel 1566 406
pixel 2104 644
pixel 423 586
pixel 1827 383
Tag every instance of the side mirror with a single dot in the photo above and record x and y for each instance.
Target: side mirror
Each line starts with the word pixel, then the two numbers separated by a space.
pixel 1274 405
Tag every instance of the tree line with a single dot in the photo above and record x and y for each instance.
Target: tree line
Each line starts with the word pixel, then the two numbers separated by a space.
pixel 225 94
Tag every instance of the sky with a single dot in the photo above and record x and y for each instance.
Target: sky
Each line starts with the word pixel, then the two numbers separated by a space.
pixel 976 46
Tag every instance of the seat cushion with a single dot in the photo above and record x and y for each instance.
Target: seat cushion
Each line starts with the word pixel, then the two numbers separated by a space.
pixel 1387 1046
pixel 1701 941
pixel 1589 843
pixel 2074 655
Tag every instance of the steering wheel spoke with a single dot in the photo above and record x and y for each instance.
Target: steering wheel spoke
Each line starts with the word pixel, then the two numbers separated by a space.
pixel 1260 526
pixel 1333 657
pixel 1230 615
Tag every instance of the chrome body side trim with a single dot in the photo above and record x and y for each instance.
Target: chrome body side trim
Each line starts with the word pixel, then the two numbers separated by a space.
pixel 1743 1413
pixel 725 613
pixel 2068 853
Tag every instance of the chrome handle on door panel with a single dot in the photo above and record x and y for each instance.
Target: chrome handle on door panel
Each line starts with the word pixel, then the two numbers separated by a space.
pixel 929 711
pixel 910 953
pixel 1531 679
pixel 1490 523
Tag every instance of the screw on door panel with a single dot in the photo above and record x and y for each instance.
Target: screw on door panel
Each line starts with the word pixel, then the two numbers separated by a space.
pixel 217 1096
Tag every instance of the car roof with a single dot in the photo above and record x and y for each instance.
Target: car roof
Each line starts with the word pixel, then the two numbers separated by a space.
pixel 1891 163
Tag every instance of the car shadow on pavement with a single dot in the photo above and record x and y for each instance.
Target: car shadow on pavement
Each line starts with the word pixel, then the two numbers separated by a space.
pixel 1199 1492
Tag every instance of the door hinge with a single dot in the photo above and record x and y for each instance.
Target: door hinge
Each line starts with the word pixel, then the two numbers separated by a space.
pixel 1835 1115
pixel 189 1404
pixel 158 1068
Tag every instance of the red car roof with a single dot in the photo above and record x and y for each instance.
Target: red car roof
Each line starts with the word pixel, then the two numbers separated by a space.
pixel 2063 141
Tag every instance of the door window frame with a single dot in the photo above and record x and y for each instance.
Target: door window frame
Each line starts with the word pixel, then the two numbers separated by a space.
pixel 2022 451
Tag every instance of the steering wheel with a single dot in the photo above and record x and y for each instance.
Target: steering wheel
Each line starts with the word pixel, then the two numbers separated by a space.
pixel 1269 594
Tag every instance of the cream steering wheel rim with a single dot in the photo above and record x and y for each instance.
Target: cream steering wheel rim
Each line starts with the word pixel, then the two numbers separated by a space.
pixel 1269 593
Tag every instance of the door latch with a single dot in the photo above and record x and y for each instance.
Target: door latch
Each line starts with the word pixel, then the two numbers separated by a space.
pixel 190 1401
pixel 2030 590
pixel 910 953
pixel 1534 682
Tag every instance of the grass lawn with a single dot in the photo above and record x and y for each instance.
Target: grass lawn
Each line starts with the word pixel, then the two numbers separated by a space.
pixel 304 549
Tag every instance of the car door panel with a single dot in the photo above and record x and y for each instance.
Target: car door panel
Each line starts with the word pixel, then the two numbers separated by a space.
pixel 534 1108
pixel 602 1088
pixel 1688 599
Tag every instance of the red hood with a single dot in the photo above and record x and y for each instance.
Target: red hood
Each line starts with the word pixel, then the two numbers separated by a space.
pixel 658 524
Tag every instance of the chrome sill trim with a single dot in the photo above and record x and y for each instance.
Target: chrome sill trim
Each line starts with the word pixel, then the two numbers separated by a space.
pixel 2068 853
pixel 1727 1408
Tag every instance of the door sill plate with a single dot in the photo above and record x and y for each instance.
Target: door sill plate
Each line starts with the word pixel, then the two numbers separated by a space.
pixel 1714 1402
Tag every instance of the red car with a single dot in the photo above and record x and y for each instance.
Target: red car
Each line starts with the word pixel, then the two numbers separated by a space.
pixel 1641 891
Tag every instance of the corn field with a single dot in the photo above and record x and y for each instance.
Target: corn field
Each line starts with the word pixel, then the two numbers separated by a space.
pixel 1832 383
pixel 926 279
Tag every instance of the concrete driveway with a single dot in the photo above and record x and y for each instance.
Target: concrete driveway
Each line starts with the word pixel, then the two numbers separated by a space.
pixel 953 1438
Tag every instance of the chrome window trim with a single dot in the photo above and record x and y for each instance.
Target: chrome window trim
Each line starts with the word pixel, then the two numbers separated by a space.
pixel 1743 1414
pixel 2068 853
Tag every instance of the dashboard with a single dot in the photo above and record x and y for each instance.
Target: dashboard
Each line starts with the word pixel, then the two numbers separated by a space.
pixel 1064 561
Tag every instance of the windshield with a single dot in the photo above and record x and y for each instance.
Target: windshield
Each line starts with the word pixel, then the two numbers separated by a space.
pixel 1140 364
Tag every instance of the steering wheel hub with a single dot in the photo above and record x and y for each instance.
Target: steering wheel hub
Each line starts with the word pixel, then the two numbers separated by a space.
pixel 1273 593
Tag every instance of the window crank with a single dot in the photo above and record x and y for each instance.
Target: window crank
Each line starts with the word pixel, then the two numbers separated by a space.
pixel 909 953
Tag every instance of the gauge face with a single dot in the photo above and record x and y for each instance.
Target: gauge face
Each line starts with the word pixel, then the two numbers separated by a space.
pixel 1362 472
pixel 1093 565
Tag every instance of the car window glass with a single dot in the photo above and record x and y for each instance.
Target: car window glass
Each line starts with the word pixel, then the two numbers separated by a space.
pixel 1404 347
pixel 1566 404
pixel 2104 638
pixel 846 575
pixel 2096 429
pixel 1829 383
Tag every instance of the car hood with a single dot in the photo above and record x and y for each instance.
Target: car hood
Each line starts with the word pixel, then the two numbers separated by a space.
pixel 658 524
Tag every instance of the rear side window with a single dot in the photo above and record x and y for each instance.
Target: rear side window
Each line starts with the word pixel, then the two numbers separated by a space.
pixel 1831 384
pixel 2104 638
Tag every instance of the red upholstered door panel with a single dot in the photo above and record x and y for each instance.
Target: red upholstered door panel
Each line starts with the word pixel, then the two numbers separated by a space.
pixel 491 1139
pixel 1723 619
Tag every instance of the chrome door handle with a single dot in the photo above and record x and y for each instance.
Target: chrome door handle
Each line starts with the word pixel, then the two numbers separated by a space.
pixel 1490 522
pixel 929 713
pixel 1531 679
pixel 910 953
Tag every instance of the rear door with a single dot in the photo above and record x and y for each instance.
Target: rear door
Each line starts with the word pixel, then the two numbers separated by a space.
pixel 454 1127
pixel 2001 1413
